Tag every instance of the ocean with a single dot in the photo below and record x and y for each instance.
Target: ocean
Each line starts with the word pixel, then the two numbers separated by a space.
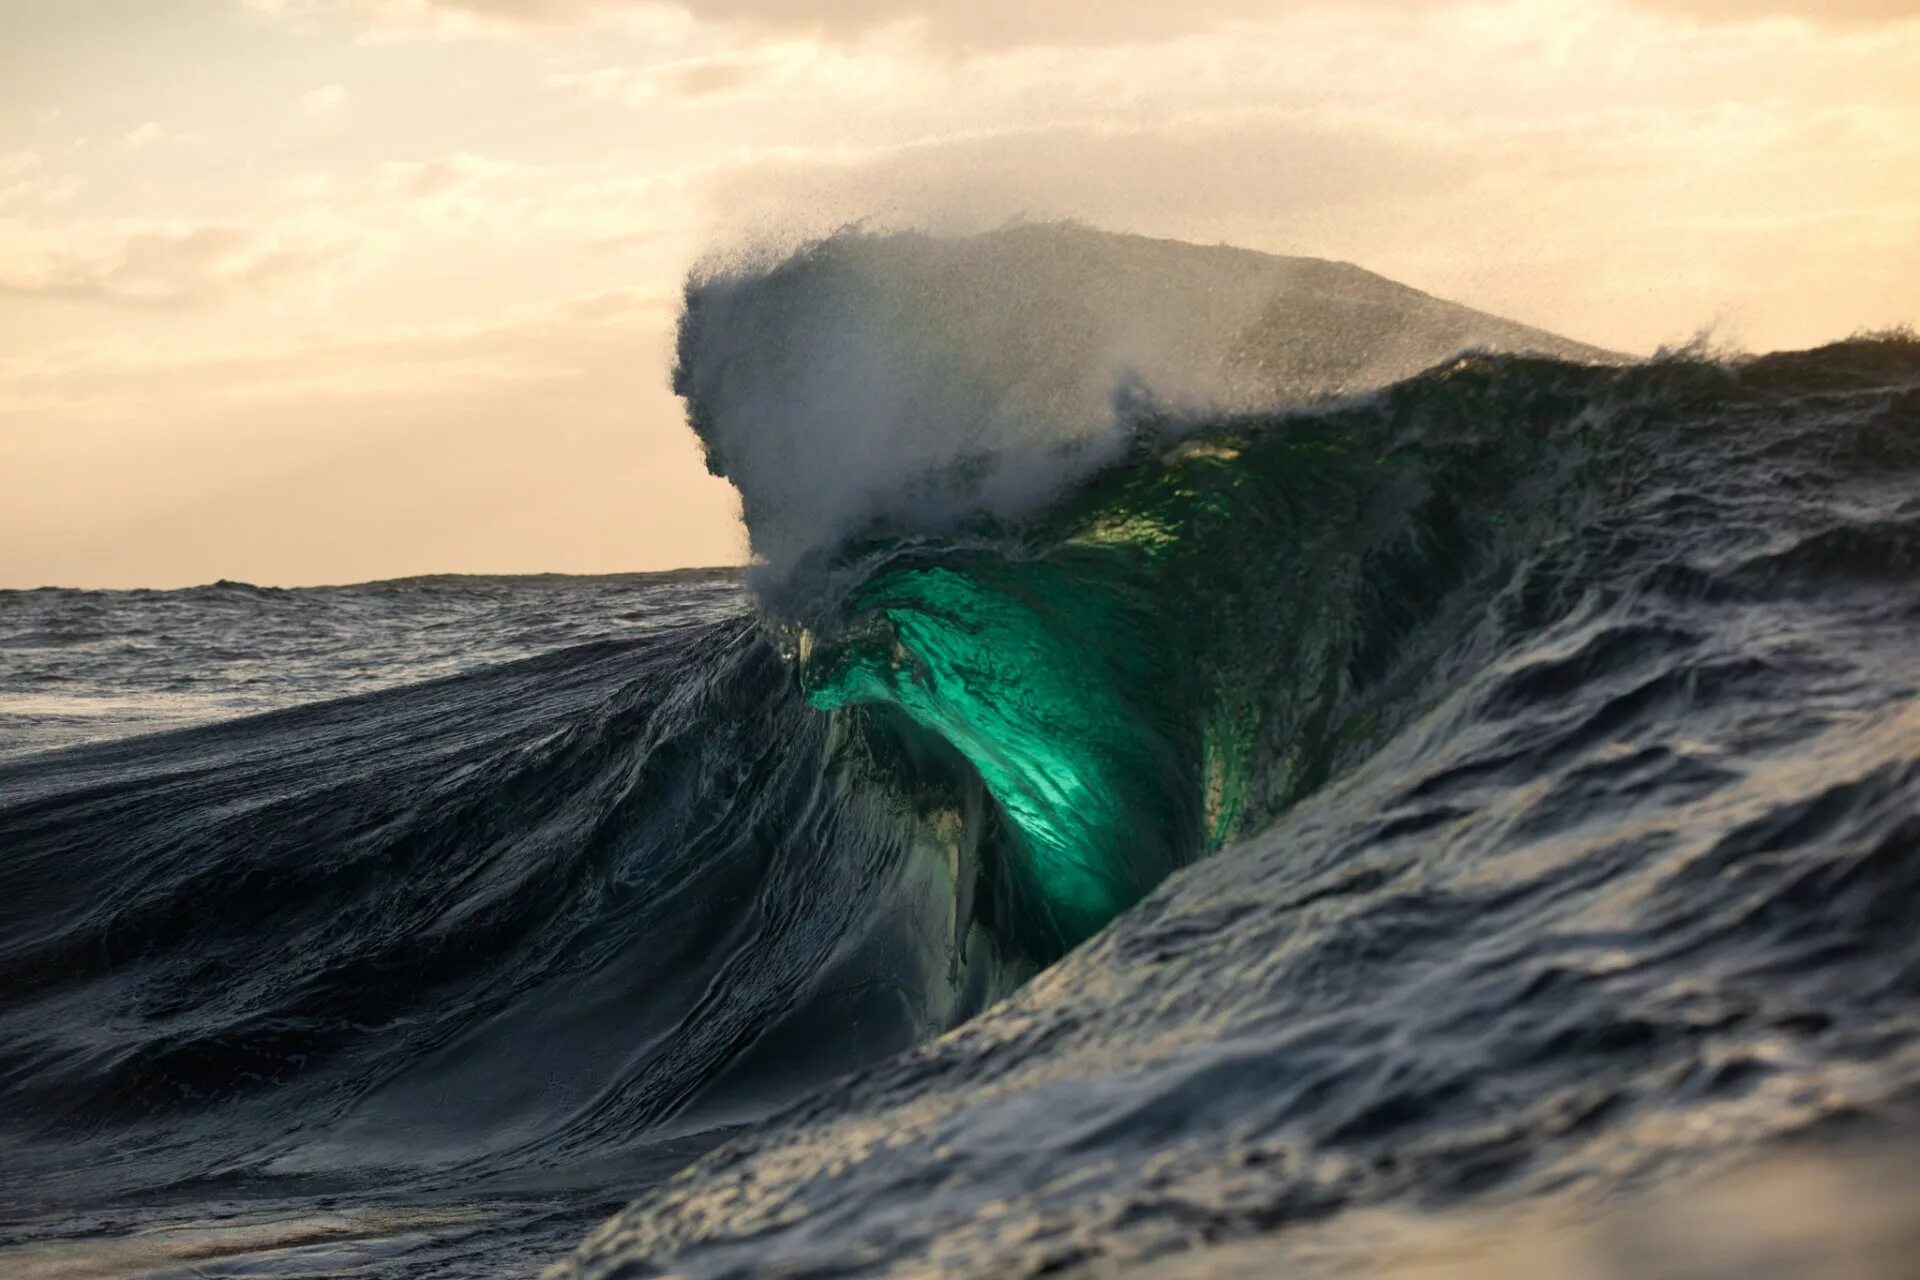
pixel 1461 797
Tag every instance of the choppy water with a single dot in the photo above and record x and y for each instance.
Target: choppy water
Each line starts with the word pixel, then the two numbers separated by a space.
pixel 1322 841
pixel 83 666
pixel 1577 854
pixel 135 1068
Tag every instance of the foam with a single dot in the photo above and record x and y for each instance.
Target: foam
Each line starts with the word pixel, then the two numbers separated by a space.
pixel 910 382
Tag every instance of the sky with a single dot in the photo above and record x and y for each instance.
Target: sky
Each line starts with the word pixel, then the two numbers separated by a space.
pixel 307 291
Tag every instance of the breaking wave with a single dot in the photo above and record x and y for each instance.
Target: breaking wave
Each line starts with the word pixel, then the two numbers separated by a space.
pixel 1443 776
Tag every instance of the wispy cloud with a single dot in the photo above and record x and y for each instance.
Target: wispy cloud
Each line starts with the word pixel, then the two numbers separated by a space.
pixel 464 173
pixel 152 134
pixel 167 266
pixel 492 18
pixel 15 163
pixel 323 101
pixel 24 182
pixel 786 70
pixel 977 24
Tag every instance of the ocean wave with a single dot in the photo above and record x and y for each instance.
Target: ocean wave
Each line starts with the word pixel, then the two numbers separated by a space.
pixel 1497 786
pixel 1559 731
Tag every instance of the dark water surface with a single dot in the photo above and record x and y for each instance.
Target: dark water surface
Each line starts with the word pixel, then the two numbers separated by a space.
pixel 1497 795
pixel 83 666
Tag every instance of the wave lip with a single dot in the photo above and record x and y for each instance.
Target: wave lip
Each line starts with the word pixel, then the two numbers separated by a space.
pixel 913 381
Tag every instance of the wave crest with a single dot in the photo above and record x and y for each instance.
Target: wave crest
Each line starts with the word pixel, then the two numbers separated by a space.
pixel 911 382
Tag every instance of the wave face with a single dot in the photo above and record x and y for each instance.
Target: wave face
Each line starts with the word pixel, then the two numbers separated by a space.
pixel 1206 632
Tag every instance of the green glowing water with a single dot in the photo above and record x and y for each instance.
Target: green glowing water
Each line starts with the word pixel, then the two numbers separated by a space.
pixel 1037 698
pixel 1191 643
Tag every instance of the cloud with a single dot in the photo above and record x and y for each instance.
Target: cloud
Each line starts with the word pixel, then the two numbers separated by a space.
pixel 307 235
pixel 463 174
pixel 480 17
pixel 791 71
pixel 1838 11
pixel 151 134
pixel 164 267
pixel 1627 228
pixel 323 101
pixel 15 163
pixel 1611 173
pixel 995 23
pixel 702 78
pixel 530 12
pixel 988 23
pixel 985 24
pixel 22 182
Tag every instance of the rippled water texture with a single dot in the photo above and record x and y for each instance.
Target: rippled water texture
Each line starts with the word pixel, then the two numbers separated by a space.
pixel 1450 821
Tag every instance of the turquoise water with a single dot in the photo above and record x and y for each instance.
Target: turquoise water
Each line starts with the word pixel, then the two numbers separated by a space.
pixel 1198 637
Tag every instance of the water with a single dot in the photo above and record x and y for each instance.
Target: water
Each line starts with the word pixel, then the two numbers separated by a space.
pixel 1596 872
pixel 84 666
pixel 1322 839
pixel 94 1190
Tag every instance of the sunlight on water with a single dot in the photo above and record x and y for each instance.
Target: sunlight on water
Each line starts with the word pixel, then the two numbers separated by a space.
pixel 303 1244
pixel 1031 710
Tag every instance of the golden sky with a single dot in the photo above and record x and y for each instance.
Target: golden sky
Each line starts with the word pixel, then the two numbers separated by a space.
pixel 299 291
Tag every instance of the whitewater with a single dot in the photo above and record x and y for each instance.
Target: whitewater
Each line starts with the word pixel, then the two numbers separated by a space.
pixel 1222 765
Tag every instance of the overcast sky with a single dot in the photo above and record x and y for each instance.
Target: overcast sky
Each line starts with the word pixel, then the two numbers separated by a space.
pixel 300 291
